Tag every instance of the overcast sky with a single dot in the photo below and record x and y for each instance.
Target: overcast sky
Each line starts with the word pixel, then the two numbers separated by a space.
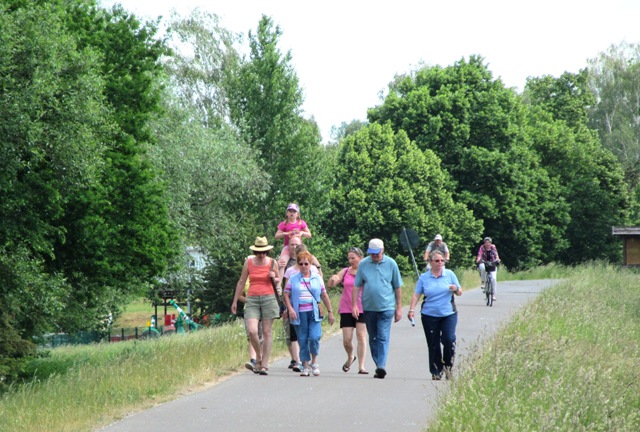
pixel 345 52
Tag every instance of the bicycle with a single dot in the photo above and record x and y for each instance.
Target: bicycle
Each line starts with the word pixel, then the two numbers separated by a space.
pixel 490 282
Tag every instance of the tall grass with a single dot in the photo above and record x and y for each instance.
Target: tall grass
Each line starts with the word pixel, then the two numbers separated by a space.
pixel 79 388
pixel 100 383
pixel 570 361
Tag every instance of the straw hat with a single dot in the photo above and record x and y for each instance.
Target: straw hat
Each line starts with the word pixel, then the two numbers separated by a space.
pixel 261 245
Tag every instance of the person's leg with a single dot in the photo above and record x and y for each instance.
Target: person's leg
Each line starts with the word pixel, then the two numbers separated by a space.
pixel 371 320
pixel 431 328
pixel 347 343
pixel 361 335
pixel 494 276
pixel 283 260
pixel 483 274
pixel 315 334
pixel 448 327
pixel 267 341
pixel 254 338
pixel 303 339
pixel 382 338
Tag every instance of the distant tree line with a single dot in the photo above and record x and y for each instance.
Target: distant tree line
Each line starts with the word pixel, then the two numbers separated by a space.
pixel 120 147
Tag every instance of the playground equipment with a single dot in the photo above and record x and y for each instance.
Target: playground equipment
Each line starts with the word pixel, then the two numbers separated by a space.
pixel 171 324
pixel 182 318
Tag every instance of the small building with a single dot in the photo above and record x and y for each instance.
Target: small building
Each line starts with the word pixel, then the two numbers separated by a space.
pixel 631 248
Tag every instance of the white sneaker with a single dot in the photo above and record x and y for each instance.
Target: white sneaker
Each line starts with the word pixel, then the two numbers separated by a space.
pixel 316 369
pixel 305 372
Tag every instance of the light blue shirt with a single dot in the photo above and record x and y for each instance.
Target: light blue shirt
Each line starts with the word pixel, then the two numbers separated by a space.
pixel 438 296
pixel 378 282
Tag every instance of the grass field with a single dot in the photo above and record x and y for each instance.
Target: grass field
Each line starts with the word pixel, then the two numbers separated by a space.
pixel 570 361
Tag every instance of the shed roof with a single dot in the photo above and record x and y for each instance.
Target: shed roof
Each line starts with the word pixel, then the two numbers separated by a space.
pixel 628 231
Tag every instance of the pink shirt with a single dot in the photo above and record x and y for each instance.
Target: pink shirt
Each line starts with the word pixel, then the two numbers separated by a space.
pixel 347 295
pixel 285 226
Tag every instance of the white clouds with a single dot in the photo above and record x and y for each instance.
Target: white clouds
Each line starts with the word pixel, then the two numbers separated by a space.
pixel 346 51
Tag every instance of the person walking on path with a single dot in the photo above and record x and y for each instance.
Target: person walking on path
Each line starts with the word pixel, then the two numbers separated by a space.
pixel 261 304
pixel 302 295
pixel 348 323
pixel 379 279
pixel 438 314
pixel 436 245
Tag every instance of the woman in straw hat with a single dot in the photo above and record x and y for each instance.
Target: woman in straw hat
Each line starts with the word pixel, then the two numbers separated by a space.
pixel 261 304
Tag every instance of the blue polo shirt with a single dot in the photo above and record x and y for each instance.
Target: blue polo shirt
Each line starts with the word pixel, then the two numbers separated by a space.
pixel 378 282
pixel 438 298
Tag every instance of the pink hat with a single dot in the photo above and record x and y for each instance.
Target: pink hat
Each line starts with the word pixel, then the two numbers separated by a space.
pixel 293 206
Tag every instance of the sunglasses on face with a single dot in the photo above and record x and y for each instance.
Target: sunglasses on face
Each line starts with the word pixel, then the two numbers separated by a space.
pixel 304 264
pixel 437 260
pixel 261 252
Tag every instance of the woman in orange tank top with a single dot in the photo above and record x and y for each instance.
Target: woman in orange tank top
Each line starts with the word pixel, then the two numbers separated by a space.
pixel 262 305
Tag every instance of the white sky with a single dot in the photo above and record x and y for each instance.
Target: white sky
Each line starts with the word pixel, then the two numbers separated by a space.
pixel 346 52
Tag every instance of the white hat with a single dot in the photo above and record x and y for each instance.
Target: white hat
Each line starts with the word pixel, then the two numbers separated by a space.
pixel 261 245
pixel 375 246
pixel 438 237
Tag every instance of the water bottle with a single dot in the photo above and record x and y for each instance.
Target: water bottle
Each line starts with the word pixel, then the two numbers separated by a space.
pixel 413 321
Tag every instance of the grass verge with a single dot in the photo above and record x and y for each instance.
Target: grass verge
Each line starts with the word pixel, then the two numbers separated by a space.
pixel 569 361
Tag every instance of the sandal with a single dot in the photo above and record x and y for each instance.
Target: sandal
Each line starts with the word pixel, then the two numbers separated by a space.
pixel 264 371
pixel 257 367
pixel 363 372
pixel 347 365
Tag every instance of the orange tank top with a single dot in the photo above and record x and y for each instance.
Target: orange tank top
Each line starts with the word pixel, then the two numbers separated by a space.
pixel 259 280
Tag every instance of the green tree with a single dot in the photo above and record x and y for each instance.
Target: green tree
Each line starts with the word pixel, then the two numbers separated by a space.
pixel 474 124
pixel 591 179
pixel 384 183
pixel 614 79
pixel 265 105
pixel 52 123
pixel 202 53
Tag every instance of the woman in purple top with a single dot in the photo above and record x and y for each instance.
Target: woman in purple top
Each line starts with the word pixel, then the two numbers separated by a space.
pixel 348 323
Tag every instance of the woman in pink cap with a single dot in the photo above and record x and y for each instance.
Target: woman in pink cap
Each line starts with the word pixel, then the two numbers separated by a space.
pixel 292 226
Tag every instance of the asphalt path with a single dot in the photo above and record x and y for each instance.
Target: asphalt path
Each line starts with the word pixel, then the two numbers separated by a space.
pixel 405 400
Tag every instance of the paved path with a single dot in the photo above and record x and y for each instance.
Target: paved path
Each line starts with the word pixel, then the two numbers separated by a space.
pixel 337 401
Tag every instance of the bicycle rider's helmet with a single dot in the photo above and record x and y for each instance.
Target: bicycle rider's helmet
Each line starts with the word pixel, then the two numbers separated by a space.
pixel 487 239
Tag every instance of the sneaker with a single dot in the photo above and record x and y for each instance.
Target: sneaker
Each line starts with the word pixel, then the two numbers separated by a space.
pixel 448 373
pixel 250 364
pixel 305 372
pixel 436 377
pixel 297 367
pixel 482 288
pixel 315 369
pixel 293 364
pixel 380 373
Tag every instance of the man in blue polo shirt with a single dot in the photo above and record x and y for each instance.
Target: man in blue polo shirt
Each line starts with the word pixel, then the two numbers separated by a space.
pixel 379 278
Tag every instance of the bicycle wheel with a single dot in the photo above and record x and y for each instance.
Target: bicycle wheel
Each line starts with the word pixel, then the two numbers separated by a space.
pixel 489 291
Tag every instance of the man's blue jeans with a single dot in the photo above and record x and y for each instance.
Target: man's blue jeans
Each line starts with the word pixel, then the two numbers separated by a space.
pixel 379 329
pixel 441 341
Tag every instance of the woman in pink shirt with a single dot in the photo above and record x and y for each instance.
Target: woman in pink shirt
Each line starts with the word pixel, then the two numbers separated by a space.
pixel 348 323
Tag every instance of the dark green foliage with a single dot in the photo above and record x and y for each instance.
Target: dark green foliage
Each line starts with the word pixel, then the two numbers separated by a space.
pixel 265 104
pixel 384 183
pixel 473 123
pixel 589 177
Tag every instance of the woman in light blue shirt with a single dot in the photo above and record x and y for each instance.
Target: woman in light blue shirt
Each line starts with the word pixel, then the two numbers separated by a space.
pixel 438 314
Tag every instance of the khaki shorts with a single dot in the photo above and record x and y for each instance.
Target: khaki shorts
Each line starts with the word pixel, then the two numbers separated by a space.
pixel 262 307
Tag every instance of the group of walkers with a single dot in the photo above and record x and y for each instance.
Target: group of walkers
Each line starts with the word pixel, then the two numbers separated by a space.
pixel 371 301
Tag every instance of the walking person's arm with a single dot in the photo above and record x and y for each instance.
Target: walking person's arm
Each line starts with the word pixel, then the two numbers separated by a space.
pixel 398 315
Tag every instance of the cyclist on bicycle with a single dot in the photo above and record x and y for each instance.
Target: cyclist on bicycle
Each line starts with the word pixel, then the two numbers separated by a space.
pixel 488 254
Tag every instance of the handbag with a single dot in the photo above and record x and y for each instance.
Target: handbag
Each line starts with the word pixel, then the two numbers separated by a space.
pixel 281 306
